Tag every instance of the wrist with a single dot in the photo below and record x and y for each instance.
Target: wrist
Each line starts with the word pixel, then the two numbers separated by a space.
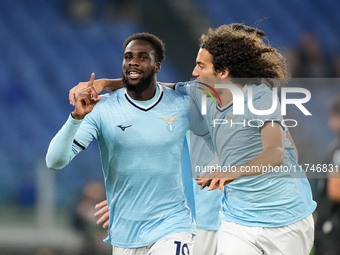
pixel 77 116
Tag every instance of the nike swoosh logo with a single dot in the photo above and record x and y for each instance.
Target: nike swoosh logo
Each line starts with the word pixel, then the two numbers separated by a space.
pixel 123 128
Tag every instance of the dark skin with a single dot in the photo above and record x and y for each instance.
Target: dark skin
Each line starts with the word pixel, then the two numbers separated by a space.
pixel 115 84
pixel 86 100
pixel 139 61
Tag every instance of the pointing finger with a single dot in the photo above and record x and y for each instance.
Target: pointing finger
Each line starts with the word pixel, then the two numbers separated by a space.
pixel 91 80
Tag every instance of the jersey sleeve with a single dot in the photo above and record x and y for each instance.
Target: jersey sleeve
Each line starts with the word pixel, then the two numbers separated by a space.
pixel 72 138
pixel 201 154
pixel 88 130
pixel 198 124
pixel 263 101
pixel 183 87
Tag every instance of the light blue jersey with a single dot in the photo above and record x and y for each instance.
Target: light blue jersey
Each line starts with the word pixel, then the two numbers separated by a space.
pixel 267 200
pixel 187 179
pixel 140 149
pixel 207 203
pixel 208 207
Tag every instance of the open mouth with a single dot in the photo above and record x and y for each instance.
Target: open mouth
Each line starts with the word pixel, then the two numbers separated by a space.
pixel 133 74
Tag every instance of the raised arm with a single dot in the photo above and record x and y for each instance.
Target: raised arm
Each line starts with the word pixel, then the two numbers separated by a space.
pixel 99 85
pixel 166 84
pixel 103 84
pixel 62 148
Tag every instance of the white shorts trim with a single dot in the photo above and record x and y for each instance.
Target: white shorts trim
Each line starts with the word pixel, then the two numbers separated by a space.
pixel 174 244
pixel 205 242
pixel 294 239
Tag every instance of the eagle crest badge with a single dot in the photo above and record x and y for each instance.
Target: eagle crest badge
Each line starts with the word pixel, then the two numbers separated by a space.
pixel 170 122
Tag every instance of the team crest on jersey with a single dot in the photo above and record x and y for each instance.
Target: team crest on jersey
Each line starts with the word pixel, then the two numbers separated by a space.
pixel 170 122
pixel 232 117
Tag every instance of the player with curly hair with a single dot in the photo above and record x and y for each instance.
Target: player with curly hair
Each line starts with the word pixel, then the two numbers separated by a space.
pixel 263 212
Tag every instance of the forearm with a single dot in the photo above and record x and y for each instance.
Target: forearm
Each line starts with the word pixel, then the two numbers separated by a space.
pixel 114 84
pixel 168 85
pixel 108 84
pixel 290 138
pixel 211 165
pixel 272 155
pixel 269 158
pixel 61 151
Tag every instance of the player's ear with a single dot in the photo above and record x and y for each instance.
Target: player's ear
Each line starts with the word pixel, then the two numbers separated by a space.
pixel 158 67
pixel 224 73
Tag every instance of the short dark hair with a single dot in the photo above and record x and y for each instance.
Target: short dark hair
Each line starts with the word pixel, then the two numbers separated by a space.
pixel 334 107
pixel 157 44
pixel 237 47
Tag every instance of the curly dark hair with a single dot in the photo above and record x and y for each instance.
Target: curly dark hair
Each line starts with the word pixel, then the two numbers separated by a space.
pixel 157 44
pixel 250 30
pixel 237 47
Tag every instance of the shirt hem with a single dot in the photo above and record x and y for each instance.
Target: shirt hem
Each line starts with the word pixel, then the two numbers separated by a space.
pixel 267 225
pixel 210 228
pixel 138 245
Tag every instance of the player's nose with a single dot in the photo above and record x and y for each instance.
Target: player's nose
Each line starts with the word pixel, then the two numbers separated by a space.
pixel 194 72
pixel 134 62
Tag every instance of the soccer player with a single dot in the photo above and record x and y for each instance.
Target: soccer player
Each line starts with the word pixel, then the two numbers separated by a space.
pixel 140 131
pixel 263 212
pixel 207 204
pixel 254 35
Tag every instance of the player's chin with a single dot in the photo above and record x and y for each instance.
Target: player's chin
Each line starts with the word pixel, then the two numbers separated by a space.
pixel 133 81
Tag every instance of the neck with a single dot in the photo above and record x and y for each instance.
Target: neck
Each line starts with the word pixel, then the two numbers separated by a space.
pixel 145 95
pixel 226 95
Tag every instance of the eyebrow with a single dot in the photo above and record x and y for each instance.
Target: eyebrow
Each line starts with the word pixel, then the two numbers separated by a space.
pixel 200 63
pixel 141 52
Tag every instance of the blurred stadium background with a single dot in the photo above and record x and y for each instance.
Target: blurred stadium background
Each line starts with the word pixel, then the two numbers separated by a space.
pixel 47 47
